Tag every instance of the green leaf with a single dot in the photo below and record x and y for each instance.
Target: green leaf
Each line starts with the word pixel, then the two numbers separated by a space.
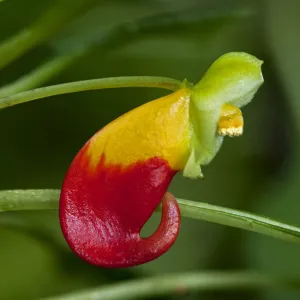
pixel 80 37
pixel 181 283
pixel 60 14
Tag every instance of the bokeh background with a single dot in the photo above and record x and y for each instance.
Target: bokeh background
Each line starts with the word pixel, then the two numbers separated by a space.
pixel 259 172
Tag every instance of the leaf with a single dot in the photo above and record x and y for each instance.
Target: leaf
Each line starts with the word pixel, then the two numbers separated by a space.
pixel 60 14
pixel 80 37
pixel 181 284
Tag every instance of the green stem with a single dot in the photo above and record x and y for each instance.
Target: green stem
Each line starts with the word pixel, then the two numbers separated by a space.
pixel 28 199
pixel 178 285
pixel 48 24
pixel 239 219
pixel 39 75
pixel 94 84
pixel 48 199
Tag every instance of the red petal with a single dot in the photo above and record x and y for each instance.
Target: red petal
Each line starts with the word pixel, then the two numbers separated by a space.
pixel 103 211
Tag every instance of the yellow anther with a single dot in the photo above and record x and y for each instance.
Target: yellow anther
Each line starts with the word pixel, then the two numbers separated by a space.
pixel 231 121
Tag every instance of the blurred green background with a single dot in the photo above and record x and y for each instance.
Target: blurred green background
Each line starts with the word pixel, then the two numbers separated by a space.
pixel 259 172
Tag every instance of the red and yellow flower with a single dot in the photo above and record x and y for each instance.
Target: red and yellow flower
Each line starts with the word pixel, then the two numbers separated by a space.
pixel 122 173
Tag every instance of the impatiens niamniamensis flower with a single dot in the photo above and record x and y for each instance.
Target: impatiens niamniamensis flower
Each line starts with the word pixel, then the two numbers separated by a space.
pixel 122 173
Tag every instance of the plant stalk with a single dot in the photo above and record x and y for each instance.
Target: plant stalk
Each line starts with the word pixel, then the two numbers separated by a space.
pixel 48 199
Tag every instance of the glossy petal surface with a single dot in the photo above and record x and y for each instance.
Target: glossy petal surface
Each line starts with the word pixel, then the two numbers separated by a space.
pixel 117 180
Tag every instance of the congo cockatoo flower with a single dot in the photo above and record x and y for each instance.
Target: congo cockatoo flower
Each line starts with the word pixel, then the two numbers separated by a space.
pixel 122 173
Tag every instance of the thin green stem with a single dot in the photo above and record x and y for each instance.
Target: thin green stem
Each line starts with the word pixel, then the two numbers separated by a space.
pixel 28 199
pixel 239 219
pixel 48 24
pixel 179 284
pixel 48 199
pixel 39 75
pixel 94 84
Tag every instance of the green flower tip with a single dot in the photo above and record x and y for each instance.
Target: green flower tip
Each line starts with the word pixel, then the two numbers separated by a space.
pixel 233 78
pixel 230 83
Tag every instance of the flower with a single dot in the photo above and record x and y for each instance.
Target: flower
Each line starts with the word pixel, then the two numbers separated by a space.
pixel 122 173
